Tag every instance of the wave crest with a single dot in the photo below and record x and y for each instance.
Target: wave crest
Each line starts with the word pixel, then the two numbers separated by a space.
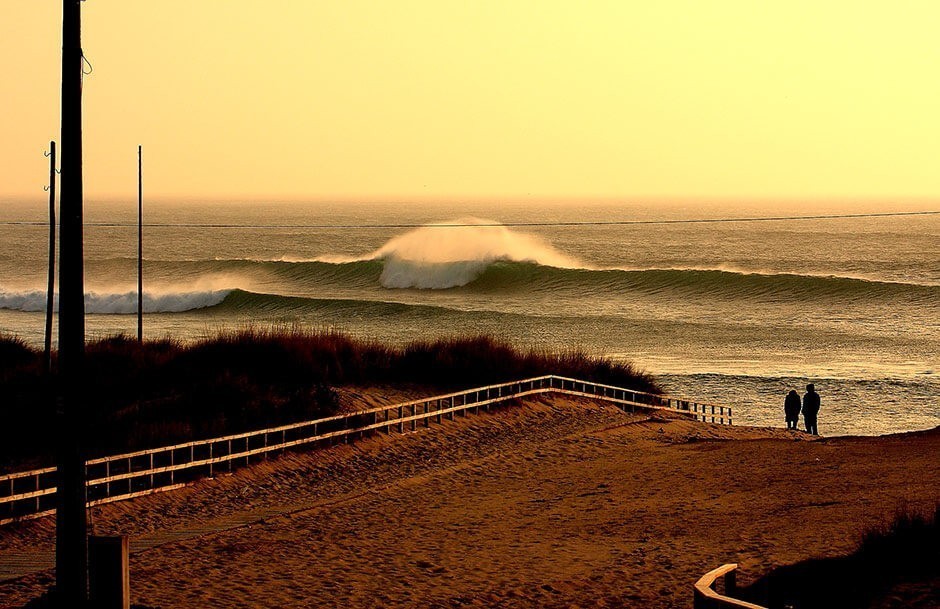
pixel 455 253
pixel 117 303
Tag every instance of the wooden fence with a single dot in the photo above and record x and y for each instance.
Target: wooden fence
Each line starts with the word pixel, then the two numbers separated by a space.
pixel 31 494
pixel 705 596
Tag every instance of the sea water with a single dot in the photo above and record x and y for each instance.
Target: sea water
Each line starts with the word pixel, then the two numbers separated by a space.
pixel 734 313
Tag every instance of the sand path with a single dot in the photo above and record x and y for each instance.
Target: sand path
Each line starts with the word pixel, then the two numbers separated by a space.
pixel 557 503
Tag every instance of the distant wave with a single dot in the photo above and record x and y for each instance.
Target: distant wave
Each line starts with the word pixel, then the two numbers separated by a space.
pixel 505 276
pixel 233 300
pixel 478 255
pixel 243 301
pixel 440 256
pixel 524 278
pixel 433 257
pixel 123 303
pixel 517 278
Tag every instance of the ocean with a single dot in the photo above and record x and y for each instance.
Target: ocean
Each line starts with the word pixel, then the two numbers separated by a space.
pixel 735 313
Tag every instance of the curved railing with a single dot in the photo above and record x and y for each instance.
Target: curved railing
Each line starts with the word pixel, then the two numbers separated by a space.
pixel 31 494
pixel 705 596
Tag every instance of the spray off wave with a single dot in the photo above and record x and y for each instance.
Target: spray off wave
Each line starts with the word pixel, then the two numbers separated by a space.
pixel 117 303
pixel 455 253
pixel 437 256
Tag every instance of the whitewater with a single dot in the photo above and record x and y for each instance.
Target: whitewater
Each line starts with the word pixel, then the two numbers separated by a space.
pixel 735 314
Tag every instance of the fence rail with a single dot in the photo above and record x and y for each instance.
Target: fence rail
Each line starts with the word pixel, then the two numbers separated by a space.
pixel 31 494
pixel 705 596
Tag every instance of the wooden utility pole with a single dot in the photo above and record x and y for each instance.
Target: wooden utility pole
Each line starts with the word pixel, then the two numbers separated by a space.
pixel 71 541
pixel 50 287
pixel 140 244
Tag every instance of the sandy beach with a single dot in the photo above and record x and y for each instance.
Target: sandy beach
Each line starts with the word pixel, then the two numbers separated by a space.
pixel 550 503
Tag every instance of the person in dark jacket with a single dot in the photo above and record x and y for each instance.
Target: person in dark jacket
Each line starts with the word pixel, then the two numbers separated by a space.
pixel 791 408
pixel 811 409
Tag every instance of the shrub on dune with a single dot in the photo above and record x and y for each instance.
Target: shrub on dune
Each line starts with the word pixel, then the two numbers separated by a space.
pixel 162 391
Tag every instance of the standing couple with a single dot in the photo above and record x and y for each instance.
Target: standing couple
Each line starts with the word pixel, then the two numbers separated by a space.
pixel 810 409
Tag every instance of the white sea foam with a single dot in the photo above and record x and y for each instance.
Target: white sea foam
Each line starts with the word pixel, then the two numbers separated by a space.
pixel 455 253
pixel 117 303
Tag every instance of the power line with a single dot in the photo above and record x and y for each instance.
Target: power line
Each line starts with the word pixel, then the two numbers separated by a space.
pixel 484 224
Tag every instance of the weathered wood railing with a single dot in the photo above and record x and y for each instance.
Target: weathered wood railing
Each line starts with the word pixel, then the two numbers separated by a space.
pixel 31 494
pixel 705 596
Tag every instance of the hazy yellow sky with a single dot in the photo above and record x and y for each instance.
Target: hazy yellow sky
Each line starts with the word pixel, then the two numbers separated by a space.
pixel 438 99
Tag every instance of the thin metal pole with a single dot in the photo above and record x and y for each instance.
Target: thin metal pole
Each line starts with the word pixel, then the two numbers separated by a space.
pixel 71 522
pixel 50 288
pixel 140 245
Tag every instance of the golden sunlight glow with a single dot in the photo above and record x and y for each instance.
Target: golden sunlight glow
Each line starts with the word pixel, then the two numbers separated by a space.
pixel 440 99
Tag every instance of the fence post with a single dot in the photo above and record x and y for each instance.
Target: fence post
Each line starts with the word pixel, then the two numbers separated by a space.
pixel 109 575
pixel 731 585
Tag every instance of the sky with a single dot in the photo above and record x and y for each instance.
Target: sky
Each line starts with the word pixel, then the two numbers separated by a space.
pixel 428 100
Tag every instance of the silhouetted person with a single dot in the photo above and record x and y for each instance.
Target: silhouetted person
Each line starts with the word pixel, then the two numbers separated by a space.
pixel 811 409
pixel 791 408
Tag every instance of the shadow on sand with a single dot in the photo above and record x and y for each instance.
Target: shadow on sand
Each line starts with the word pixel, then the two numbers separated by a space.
pixel 896 565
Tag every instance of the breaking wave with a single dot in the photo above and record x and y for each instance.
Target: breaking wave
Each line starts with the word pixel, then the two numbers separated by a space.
pixel 466 255
pixel 456 253
pixel 298 285
pixel 121 303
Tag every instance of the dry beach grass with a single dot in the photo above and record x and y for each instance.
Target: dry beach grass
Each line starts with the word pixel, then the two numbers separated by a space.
pixel 166 391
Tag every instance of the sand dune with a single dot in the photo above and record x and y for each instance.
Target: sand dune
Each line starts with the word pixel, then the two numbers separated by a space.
pixel 555 503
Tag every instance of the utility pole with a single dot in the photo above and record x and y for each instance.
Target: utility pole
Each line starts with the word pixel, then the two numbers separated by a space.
pixel 71 541
pixel 50 287
pixel 140 244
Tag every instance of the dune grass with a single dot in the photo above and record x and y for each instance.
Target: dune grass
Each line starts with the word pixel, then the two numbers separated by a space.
pixel 896 563
pixel 166 391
